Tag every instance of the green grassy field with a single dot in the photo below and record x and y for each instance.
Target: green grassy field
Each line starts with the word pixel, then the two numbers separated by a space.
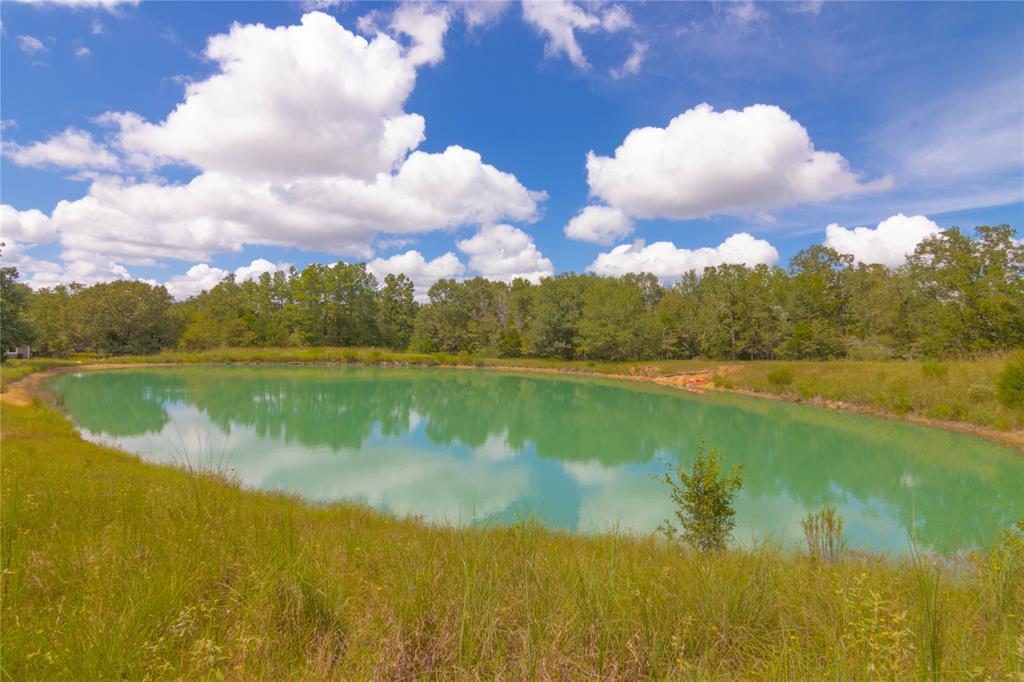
pixel 114 568
pixel 958 391
pixel 15 370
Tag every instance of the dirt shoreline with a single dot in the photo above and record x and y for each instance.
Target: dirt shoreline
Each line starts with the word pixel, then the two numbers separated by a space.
pixel 24 391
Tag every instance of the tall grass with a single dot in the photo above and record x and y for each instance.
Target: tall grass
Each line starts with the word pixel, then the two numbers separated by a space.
pixel 959 391
pixel 111 571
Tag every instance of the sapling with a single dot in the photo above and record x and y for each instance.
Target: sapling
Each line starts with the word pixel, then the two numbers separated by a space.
pixel 703 497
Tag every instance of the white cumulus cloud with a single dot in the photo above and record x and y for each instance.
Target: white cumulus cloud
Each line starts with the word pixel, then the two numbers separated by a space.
pixel 312 99
pixel 426 26
pixel 257 268
pixel 889 243
pixel 72 148
pixel 203 277
pixel 421 271
pixel 731 162
pixel 668 262
pixel 25 226
pixel 504 252
pixel 600 225
pixel 300 139
pixel 92 269
pixel 198 278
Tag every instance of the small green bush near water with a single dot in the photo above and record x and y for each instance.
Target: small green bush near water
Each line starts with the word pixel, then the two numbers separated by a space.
pixel 782 376
pixel 704 502
pixel 1010 385
pixel 823 532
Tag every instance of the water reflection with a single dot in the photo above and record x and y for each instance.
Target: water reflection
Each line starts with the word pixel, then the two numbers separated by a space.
pixel 464 446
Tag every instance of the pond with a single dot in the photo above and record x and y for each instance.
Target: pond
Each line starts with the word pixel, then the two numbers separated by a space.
pixel 580 454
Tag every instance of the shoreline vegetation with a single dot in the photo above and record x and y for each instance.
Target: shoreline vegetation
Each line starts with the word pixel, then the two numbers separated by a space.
pixel 176 573
pixel 957 395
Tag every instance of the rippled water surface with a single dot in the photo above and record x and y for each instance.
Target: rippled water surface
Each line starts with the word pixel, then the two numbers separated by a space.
pixel 581 454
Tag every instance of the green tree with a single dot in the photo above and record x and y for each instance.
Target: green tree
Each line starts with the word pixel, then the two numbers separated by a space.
pixel 350 298
pixel 737 313
pixel 14 300
pixel 443 325
pixel 677 318
pixel 704 502
pixel 557 311
pixel 816 303
pixel 967 294
pixel 616 323
pixel 397 311
pixel 875 314
pixel 122 317
pixel 48 316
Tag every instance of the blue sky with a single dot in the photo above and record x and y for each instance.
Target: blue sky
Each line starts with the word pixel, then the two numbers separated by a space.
pixel 901 118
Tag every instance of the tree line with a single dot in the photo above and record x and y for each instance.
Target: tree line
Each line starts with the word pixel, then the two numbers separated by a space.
pixel 954 295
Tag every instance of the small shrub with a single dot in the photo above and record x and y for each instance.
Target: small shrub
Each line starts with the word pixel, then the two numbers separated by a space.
pixel 823 532
pixel 897 397
pixel 935 370
pixel 901 407
pixel 981 392
pixel 720 381
pixel 782 376
pixel 1010 385
pixel 704 502
pixel 945 412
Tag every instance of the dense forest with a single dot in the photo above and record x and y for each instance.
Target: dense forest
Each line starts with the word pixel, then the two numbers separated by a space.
pixel 954 295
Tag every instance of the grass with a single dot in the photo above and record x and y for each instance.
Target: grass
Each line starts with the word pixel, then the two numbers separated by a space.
pixel 14 370
pixel 114 568
pixel 957 391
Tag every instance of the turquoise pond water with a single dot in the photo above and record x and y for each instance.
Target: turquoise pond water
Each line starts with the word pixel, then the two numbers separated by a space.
pixel 582 454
